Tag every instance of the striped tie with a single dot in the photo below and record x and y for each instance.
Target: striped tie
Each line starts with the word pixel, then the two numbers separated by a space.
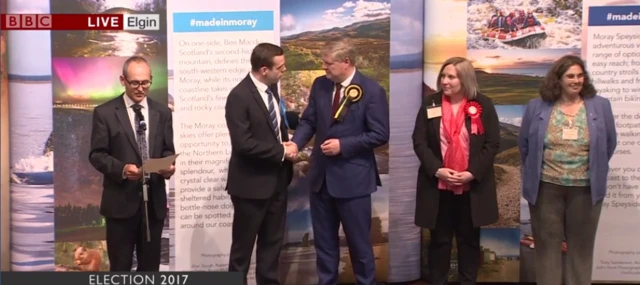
pixel 272 114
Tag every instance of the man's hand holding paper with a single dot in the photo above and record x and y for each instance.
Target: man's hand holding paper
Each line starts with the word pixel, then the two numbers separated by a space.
pixel 163 166
pixel 167 173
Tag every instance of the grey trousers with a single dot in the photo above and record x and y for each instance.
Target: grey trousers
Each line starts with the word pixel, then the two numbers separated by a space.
pixel 564 212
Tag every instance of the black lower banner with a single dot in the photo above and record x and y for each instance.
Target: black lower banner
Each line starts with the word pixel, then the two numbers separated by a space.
pixel 122 278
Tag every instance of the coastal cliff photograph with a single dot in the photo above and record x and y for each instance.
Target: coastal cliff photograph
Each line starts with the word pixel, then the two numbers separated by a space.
pixel 513 77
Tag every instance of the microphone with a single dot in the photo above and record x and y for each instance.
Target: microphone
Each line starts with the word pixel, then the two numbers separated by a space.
pixel 142 125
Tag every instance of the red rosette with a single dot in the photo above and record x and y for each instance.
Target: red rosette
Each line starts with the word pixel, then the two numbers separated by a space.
pixel 474 111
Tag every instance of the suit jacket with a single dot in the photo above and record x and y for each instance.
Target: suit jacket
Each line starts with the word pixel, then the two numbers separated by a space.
pixel 113 145
pixel 353 172
pixel 256 161
pixel 482 151
pixel 602 144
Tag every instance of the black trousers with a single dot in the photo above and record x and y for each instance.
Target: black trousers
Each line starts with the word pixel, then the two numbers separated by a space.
pixel 454 218
pixel 264 219
pixel 126 235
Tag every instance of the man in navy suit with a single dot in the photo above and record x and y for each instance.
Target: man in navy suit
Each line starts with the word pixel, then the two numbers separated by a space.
pixel 343 172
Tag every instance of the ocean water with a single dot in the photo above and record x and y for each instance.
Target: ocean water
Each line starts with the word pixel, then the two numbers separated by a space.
pixel 32 218
pixel 32 227
pixel 404 236
pixel 30 102
pixel 30 122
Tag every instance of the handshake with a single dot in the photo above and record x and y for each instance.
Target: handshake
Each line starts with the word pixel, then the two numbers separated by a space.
pixel 291 150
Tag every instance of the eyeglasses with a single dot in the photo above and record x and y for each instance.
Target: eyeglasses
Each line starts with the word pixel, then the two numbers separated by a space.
pixel 136 84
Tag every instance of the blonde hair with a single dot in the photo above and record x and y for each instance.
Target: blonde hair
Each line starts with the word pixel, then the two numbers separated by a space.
pixel 340 50
pixel 466 74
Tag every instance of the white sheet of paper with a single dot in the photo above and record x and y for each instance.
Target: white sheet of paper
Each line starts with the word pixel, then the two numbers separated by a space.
pixel 154 165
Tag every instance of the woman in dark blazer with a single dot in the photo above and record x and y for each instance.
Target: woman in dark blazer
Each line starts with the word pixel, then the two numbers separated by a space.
pixel 456 138
pixel 567 137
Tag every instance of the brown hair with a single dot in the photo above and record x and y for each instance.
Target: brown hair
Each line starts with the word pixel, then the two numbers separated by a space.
pixel 466 74
pixel 551 89
pixel 263 54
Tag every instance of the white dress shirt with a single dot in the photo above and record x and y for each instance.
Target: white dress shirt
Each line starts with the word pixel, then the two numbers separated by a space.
pixel 132 120
pixel 344 86
pixel 262 89
pixel 132 116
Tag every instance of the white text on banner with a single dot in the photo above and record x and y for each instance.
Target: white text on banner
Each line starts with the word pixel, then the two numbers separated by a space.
pixel 211 52
pixel 613 61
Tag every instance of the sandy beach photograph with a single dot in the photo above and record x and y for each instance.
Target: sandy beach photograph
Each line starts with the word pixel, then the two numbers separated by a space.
pixel 499 256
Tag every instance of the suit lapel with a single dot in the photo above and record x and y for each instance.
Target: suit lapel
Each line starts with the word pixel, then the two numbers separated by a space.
pixel 258 100
pixel 284 134
pixel 327 102
pixel 125 123
pixel 544 116
pixel 276 94
pixel 154 118
pixel 435 122
pixel 592 118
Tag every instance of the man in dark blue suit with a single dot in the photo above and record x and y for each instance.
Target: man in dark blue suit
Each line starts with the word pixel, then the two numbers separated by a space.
pixel 349 115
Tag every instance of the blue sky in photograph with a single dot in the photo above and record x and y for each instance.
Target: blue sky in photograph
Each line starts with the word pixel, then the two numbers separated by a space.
pixel 501 241
pixel 491 60
pixel 302 16
pixel 407 20
pixel 510 114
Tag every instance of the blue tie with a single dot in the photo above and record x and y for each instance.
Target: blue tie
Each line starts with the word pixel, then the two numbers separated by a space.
pixel 272 114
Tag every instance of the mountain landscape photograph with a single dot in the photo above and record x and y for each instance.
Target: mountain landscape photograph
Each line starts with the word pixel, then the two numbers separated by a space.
pixel 371 39
pixel 303 34
pixel 305 27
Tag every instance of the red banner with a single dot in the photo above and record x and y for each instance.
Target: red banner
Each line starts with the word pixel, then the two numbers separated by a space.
pixel 104 22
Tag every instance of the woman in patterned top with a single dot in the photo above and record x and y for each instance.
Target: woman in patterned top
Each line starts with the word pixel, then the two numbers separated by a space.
pixel 566 140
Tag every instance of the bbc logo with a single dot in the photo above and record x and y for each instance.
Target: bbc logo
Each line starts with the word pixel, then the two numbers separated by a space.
pixel 25 21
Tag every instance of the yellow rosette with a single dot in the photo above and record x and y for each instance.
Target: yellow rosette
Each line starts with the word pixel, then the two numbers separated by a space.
pixel 353 93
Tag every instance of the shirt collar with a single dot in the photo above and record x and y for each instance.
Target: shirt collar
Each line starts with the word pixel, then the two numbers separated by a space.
pixel 128 102
pixel 261 86
pixel 349 79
